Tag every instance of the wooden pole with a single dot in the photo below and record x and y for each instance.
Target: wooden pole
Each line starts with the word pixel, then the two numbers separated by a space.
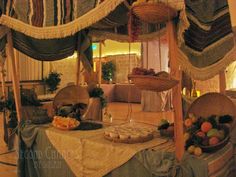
pixel 147 50
pixel 100 65
pixel 17 61
pixel 159 49
pixel 177 99
pixel 3 84
pixel 78 69
pixel 15 75
pixel 4 95
pixel 222 82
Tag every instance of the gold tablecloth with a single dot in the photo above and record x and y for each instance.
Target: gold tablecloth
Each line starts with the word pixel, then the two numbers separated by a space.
pixel 87 153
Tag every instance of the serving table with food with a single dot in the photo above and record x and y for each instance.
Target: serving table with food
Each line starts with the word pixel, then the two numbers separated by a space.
pixel 69 148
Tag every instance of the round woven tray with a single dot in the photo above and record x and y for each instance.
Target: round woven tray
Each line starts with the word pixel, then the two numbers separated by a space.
pixel 212 104
pixel 156 12
pixel 153 83
pixel 71 95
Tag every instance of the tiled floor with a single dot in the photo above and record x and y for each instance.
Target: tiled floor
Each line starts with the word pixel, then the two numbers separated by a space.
pixel 11 158
pixel 119 112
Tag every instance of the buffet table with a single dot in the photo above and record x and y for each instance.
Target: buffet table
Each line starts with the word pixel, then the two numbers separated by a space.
pixel 120 93
pixel 46 151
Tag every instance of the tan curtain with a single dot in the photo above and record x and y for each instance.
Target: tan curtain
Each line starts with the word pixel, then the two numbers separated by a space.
pixel 29 69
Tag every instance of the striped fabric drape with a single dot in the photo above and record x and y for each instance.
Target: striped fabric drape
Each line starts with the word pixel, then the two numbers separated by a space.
pixel 207 39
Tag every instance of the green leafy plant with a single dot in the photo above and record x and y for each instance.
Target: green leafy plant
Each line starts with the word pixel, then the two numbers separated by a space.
pixel 53 81
pixel 108 70
pixel 98 93
pixel 28 98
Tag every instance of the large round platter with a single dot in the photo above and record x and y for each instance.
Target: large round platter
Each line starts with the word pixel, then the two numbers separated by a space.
pixel 65 123
pixel 212 104
pixel 153 83
pixel 129 133
pixel 71 95
pixel 64 128
pixel 155 12
pixel 129 140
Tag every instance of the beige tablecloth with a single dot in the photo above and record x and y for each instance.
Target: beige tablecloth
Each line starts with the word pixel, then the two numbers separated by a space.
pixel 87 153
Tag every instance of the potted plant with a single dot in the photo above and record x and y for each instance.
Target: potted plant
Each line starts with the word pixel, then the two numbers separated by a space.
pixel 98 93
pixel 53 81
pixel 108 71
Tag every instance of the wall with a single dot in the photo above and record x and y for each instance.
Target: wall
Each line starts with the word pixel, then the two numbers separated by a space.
pixel 67 67
pixel 116 48
pixel 124 66
pixel 210 85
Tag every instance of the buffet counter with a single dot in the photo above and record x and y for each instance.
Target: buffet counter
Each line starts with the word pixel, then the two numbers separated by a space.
pixel 120 93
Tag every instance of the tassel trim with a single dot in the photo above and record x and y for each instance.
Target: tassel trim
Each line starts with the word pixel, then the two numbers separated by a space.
pixel 64 30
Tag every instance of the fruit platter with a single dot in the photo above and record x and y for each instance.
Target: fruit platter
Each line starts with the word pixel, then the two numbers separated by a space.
pixel 166 128
pixel 206 134
pixel 65 123
pixel 147 79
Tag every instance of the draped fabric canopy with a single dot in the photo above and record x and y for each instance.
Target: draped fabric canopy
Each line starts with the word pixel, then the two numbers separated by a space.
pixel 54 29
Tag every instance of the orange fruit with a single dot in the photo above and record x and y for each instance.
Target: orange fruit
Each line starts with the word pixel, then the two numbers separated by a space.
pixel 214 140
pixel 201 134
pixel 188 122
pixel 186 136
pixel 191 149
pixel 206 126
pixel 197 151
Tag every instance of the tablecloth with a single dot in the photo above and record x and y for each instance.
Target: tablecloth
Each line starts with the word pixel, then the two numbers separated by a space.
pixel 40 158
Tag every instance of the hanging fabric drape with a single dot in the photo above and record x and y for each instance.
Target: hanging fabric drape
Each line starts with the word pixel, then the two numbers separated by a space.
pixel 36 19
pixel 207 44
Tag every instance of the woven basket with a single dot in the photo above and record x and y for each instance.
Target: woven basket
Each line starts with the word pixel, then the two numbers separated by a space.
pixel 212 104
pixel 71 95
pixel 153 83
pixel 156 12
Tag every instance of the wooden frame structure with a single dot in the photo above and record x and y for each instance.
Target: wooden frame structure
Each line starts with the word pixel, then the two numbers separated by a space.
pixel 175 73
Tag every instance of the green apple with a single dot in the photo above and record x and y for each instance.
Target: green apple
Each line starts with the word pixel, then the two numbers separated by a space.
pixel 213 132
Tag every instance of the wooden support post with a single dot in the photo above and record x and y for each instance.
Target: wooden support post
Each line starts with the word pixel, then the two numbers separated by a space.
pixel 15 75
pixel 4 95
pixel 3 82
pixel 177 98
pixel 222 82
pixel 78 69
pixel 100 65
pixel 17 61
pixel 147 52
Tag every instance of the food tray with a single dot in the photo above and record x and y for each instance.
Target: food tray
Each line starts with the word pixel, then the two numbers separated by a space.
pixel 153 83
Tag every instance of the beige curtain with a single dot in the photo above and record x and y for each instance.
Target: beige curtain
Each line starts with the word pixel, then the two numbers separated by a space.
pixel 29 69
pixel 151 58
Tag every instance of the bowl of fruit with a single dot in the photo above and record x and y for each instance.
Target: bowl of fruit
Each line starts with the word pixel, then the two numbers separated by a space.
pixel 209 134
